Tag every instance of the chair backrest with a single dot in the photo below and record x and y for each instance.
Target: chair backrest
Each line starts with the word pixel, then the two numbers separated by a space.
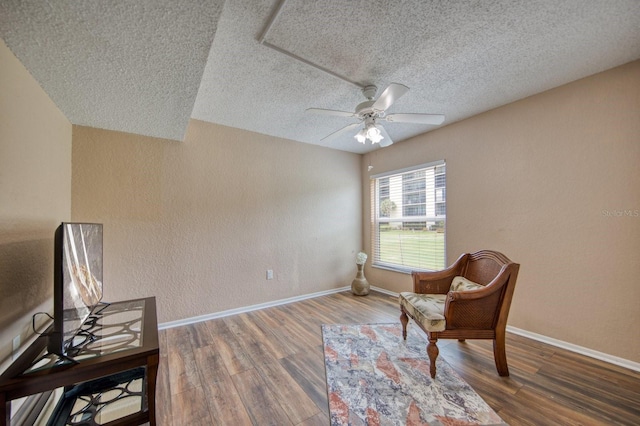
pixel 484 267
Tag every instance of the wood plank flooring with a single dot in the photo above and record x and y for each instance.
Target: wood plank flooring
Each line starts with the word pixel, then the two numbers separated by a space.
pixel 266 368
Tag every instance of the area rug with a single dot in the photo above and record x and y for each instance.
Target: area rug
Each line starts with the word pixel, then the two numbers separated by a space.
pixel 374 377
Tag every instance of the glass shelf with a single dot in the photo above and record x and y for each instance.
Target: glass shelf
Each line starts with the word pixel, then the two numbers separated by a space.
pixel 114 328
pixel 103 400
pixel 107 377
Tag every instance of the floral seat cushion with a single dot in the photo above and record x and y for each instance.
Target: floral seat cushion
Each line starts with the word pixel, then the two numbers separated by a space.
pixel 427 309
pixel 463 284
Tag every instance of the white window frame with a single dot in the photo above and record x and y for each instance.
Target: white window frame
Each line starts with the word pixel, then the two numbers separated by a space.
pixel 376 219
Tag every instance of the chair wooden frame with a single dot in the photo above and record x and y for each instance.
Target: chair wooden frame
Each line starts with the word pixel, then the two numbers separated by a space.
pixel 471 314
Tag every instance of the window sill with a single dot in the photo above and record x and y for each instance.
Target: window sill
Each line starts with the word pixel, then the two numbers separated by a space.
pixel 399 269
pixel 392 268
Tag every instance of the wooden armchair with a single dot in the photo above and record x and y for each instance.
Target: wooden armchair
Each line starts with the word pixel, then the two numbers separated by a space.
pixel 468 300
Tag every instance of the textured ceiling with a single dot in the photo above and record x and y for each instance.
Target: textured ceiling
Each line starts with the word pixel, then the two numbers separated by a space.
pixel 133 66
pixel 147 66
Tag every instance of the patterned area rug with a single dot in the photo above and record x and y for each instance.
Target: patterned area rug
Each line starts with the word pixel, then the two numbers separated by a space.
pixel 374 377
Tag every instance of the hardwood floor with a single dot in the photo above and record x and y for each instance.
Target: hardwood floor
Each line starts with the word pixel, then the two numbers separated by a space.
pixel 266 368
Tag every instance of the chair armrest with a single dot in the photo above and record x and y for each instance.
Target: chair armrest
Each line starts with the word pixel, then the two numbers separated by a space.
pixel 480 293
pixel 483 302
pixel 438 282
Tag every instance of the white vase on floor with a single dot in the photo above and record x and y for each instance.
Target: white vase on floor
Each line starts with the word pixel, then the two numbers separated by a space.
pixel 360 286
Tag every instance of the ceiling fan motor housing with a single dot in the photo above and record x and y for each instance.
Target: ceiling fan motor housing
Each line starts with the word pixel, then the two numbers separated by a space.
pixel 369 91
pixel 365 109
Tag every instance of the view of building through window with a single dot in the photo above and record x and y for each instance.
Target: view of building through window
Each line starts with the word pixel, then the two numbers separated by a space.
pixel 409 209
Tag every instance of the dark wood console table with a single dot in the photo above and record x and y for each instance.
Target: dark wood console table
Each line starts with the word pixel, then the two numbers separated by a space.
pixel 110 379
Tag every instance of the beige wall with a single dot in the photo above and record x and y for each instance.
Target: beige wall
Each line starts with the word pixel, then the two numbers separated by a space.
pixel 35 196
pixel 197 224
pixel 535 180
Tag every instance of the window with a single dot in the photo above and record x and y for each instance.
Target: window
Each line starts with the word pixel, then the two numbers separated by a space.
pixel 440 190
pixel 409 217
pixel 383 196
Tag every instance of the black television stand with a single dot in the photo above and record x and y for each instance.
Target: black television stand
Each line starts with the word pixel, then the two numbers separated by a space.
pixel 121 355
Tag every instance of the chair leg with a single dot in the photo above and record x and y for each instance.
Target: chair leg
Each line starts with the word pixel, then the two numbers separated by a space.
pixel 432 351
pixel 404 320
pixel 500 354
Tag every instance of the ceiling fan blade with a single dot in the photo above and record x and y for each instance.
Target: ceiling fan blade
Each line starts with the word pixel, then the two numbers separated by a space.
pixel 386 141
pixel 341 131
pixel 330 112
pixel 391 94
pixel 415 118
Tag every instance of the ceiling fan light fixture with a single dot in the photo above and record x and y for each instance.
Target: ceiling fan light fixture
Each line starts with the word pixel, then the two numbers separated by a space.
pixel 361 136
pixel 374 134
pixel 376 139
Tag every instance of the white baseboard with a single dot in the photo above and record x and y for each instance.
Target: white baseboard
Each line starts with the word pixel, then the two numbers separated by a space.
pixel 229 312
pixel 631 365
pixel 611 359
pixel 384 290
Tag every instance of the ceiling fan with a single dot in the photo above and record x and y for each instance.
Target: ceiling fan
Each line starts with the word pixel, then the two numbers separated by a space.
pixel 372 112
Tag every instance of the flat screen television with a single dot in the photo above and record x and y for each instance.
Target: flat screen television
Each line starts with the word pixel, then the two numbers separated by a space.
pixel 77 283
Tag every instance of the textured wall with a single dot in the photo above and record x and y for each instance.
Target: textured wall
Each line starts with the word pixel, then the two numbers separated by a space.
pixel 35 196
pixel 546 180
pixel 197 224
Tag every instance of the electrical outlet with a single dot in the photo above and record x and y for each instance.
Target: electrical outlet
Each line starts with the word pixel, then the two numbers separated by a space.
pixel 269 274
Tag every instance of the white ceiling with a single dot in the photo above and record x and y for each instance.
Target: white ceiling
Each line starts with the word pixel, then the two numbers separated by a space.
pixel 147 66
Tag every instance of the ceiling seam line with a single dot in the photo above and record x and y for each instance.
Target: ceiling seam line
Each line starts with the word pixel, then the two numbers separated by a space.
pixel 316 66
pixel 272 19
pixel 263 42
